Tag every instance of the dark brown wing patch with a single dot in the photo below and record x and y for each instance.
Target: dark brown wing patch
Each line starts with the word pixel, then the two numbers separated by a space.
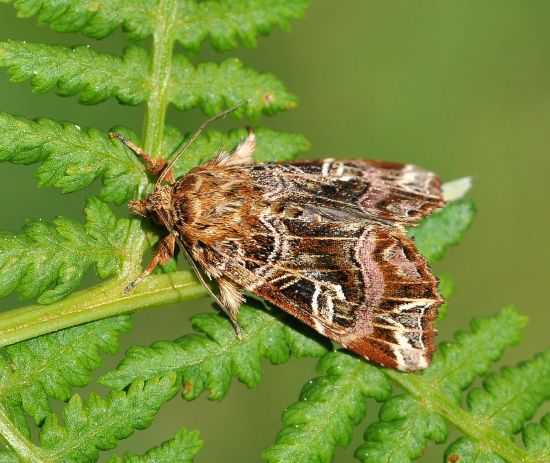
pixel 384 190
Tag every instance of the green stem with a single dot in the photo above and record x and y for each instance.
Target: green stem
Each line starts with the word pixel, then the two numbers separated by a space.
pixel 434 400
pixel 159 77
pixel 23 447
pixel 155 113
pixel 101 301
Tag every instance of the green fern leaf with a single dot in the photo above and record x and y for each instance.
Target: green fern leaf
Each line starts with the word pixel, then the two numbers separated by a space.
pixel 71 157
pixel 98 424
pixel 330 406
pixel 537 439
pixel 226 22
pixel 208 361
pixel 270 146
pixel 50 366
pixel 48 261
pixel 446 287
pixel 96 76
pixel 213 87
pixel 443 228
pixel 229 22
pixel 404 429
pixel 94 18
pixel 456 365
pixel 407 423
pixel 181 449
pixel 507 400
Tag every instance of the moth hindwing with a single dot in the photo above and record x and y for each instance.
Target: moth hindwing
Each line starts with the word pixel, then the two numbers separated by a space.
pixel 323 240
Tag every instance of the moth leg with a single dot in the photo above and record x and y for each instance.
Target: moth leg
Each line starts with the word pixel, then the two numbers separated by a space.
pixel 154 165
pixel 162 254
pixel 244 151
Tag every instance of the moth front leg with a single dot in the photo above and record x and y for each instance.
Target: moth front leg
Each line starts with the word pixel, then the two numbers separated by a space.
pixel 154 165
pixel 162 254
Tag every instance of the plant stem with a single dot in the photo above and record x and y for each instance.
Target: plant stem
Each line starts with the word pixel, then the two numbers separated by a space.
pixel 21 445
pixel 101 301
pixel 432 399
pixel 159 76
pixel 155 113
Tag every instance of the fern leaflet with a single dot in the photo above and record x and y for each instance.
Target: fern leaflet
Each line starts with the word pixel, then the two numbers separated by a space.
pixel 225 22
pixel 98 76
pixel 59 254
pixel 97 424
pixel 443 228
pixel 537 439
pixel 181 449
pixel 329 407
pixel 208 362
pixel 507 400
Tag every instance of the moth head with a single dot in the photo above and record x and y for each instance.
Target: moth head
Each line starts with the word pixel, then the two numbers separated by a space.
pixel 139 207
pixel 153 205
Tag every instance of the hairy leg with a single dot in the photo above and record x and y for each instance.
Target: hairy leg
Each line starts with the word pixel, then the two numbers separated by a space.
pixel 162 254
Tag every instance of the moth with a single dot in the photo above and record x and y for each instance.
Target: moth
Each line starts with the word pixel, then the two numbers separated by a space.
pixel 323 240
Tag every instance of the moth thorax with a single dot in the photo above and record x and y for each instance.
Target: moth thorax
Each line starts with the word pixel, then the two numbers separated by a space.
pixel 217 197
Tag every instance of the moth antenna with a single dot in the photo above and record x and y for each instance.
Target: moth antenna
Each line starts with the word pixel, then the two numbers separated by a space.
pixel 193 138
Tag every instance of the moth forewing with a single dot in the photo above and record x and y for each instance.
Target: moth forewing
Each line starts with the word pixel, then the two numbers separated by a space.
pixel 323 240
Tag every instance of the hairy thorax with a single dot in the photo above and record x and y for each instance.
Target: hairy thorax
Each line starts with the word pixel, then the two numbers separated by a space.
pixel 212 205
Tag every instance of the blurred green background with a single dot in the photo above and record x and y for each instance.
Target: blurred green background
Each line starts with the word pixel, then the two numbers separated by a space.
pixel 461 88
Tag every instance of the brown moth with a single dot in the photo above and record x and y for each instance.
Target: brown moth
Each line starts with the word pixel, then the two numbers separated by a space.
pixel 323 240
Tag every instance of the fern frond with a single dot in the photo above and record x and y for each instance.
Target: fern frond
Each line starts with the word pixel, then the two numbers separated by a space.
pixel 403 431
pixel 72 158
pixel 181 449
pixel 208 361
pixel 213 87
pixel 537 439
pixel 93 18
pixel 407 423
pixel 50 366
pixel 98 76
pixel 507 400
pixel 48 261
pixel 226 22
pixel 329 408
pixel 456 365
pixel 98 424
pixel 443 228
